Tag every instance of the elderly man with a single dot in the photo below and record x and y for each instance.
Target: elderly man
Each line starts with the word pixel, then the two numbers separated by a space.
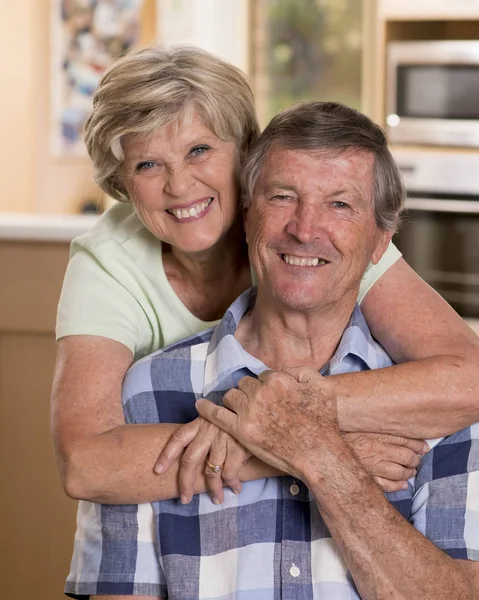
pixel 325 198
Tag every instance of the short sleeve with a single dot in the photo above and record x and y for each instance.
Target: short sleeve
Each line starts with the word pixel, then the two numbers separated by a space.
pixel 93 302
pixel 374 272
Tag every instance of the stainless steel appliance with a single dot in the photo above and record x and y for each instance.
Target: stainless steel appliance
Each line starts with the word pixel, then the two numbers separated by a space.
pixel 433 92
pixel 439 236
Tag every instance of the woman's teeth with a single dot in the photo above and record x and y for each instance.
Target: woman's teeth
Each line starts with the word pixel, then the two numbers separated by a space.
pixel 303 262
pixel 193 211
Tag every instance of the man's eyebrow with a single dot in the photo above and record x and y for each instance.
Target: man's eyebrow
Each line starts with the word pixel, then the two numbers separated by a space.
pixel 271 185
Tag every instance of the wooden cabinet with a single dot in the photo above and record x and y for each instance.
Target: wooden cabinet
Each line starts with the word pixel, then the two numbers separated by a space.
pixel 37 519
pixel 428 9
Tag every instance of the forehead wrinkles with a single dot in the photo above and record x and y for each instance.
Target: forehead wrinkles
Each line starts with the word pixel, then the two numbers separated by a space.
pixel 186 128
pixel 352 168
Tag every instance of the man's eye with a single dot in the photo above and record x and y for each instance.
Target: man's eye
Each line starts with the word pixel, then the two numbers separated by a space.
pixel 145 165
pixel 339 204
pixel 199 150
pixel 280 197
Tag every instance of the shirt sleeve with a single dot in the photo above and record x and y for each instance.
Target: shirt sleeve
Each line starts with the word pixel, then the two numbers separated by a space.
pixel 374 272
pixel 445 506
pixel 93 302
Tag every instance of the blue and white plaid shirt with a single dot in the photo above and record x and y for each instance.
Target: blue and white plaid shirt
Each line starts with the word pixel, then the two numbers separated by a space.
pixel 269 542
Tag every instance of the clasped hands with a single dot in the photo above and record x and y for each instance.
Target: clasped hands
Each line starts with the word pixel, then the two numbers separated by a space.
pixel 278 418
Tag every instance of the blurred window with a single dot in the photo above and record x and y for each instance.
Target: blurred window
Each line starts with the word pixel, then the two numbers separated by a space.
pixel 306 50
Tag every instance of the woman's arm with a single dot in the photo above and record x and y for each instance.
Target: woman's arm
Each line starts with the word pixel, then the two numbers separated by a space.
pixel 102 459
pixel 435 392
pixel 99 457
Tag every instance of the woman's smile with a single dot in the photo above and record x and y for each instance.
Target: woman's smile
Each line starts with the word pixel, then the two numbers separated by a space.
pixel 192 211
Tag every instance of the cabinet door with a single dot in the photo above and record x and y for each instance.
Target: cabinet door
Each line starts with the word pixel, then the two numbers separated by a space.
pixel 428 9
pixel 37 519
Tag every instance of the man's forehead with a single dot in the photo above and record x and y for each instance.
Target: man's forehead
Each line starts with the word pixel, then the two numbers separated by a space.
pixel 279 153
pixel 281 163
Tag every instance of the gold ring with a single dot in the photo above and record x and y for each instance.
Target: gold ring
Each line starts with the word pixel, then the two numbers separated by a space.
pixel 215 468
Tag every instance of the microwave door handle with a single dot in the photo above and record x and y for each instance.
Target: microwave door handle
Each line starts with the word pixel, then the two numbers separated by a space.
pixel 444 206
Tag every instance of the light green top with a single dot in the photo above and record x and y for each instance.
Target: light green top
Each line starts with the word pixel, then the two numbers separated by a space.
pixel 115 286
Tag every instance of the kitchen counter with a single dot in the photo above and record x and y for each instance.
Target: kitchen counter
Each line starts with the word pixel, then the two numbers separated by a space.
pixel 44 227
pixel 63 228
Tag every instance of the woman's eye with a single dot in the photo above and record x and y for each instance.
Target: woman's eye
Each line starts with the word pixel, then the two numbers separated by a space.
pixel 145 165
pixel 199 150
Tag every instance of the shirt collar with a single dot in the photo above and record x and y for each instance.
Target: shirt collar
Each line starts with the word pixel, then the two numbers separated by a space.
pixel 225 355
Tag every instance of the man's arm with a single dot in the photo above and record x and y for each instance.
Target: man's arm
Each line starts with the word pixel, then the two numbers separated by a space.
pixel 386 556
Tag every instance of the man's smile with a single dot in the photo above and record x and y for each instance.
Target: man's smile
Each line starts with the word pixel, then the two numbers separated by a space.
pixel 303 261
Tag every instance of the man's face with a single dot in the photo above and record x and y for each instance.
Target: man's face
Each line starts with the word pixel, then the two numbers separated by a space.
pixel 311 228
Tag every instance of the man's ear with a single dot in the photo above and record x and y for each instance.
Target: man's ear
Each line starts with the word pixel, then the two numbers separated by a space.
pixel 384 238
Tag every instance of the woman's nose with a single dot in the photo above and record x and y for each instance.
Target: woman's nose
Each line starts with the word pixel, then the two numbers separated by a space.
pixel 179 182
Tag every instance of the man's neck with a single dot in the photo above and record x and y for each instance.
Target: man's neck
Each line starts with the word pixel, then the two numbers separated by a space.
pixel 283 338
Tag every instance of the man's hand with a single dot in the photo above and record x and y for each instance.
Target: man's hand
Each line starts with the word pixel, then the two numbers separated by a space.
pixel 390 459
pixel 278 417
pixel 196 443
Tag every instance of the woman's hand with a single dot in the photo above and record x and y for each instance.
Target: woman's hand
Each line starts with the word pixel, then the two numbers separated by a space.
pixel 390 459
pixel 199 443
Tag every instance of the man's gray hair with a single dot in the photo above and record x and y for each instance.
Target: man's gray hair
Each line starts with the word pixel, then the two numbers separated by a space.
pixel 330 125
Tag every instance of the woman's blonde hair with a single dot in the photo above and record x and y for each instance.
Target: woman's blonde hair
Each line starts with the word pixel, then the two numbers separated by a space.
pixel 149 88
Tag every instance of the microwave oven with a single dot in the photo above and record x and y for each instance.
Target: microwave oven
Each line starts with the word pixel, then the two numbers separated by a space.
pixel 432 93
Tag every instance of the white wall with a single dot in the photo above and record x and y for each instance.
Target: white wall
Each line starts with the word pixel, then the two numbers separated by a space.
pixel 220 26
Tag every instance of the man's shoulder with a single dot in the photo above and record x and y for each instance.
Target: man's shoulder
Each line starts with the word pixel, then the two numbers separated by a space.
pixel 358 350
pixel 193 347
pixel 169 365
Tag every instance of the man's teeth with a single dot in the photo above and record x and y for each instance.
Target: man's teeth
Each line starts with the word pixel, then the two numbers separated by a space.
pixel 193 211
pixel 303 262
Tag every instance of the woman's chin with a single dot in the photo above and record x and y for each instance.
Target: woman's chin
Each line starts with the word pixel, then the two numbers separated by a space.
pixel 196 244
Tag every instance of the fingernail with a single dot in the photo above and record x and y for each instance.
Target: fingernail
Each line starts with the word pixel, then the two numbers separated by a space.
pixel 159 468
pixel 405 485
pixel 236 492
pixel 184 500
pixel 216 501
pixel 425 448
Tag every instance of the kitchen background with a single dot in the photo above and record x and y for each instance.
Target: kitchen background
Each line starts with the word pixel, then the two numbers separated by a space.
pixel 54 51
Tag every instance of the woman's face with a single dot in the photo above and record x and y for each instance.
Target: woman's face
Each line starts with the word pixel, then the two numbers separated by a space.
pixel 183 182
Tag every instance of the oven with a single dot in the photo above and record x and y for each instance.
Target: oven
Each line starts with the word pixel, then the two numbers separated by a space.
pixel 439 235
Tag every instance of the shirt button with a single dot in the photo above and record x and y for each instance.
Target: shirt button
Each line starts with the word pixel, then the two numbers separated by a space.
pixel 294 571
pixel 294 489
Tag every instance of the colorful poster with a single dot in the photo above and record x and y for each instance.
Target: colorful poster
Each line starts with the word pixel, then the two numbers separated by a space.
pixel 86 36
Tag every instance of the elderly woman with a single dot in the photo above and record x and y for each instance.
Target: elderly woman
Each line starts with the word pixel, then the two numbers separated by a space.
pixel 167 136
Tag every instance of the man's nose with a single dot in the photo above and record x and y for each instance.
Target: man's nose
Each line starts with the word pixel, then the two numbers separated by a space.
pixel 179 181
pixel 307 224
